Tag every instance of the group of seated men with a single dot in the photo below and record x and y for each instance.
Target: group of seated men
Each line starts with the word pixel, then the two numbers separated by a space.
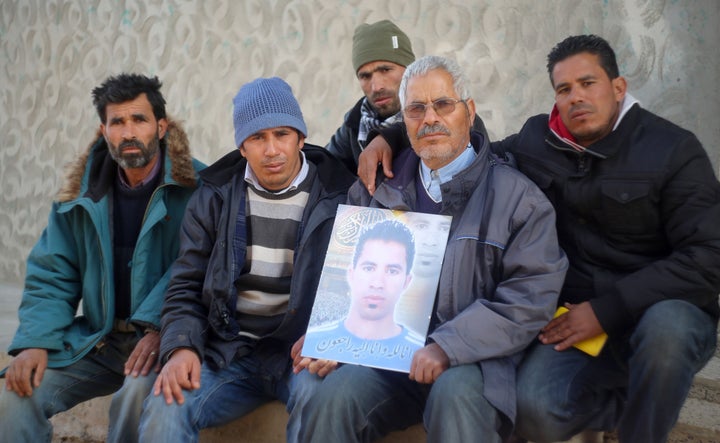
pixel 196 283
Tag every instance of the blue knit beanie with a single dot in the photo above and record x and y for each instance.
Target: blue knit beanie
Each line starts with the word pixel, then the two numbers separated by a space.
pixel 265 103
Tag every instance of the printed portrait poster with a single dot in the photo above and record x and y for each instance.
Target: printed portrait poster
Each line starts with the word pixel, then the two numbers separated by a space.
pixel 377 288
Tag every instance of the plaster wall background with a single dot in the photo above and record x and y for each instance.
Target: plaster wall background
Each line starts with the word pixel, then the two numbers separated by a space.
pixel 52 53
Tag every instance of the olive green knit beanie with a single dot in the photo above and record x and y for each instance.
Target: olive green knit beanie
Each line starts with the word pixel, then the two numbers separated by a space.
pixel 382 40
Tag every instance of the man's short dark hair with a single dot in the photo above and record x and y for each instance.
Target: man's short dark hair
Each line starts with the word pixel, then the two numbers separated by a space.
pixel 388 231
pixel 577 44
pixel 126 87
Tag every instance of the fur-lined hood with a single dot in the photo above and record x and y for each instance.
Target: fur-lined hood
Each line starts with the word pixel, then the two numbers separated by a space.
pixel 177 150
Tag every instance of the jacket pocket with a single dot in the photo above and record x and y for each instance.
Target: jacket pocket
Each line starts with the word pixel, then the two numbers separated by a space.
pixel 628 207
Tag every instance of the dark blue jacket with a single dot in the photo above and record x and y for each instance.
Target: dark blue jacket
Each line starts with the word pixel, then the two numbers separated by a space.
pixel 200 306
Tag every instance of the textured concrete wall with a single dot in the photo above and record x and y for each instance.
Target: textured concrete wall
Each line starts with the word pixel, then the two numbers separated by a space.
pixel 52 53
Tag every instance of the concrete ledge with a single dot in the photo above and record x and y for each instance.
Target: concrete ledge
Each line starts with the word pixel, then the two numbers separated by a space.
pixel 88 422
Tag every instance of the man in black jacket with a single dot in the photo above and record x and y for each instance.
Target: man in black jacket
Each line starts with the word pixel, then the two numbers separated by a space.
pixel 637 206
pixel 242 288
pixel 380 53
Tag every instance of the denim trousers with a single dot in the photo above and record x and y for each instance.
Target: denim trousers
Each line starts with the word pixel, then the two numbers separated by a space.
pixel 99 373
pixel 361 404
pixel 225 395
pixel 636 385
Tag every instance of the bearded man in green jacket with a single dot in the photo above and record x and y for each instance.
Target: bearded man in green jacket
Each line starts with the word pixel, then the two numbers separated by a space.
pixel 111 237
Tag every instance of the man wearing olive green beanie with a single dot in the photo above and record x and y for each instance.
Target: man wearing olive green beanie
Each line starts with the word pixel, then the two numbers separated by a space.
pixel 380 53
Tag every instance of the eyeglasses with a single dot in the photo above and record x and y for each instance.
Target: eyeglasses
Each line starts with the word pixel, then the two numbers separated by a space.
pixel 442 106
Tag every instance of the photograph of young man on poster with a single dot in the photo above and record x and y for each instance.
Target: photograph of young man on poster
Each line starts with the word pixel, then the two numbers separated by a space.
pixel 381 267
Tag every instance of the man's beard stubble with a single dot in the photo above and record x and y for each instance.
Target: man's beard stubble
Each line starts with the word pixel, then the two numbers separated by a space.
pixel 134 161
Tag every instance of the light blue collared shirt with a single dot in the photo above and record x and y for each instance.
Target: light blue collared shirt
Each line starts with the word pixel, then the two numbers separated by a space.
pixel 251 178
pixel 433 178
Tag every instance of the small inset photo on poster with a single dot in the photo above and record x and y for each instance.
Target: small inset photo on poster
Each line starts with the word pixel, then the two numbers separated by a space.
pixel 377 288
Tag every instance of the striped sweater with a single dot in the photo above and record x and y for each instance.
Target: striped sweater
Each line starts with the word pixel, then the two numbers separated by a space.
pixel 273 221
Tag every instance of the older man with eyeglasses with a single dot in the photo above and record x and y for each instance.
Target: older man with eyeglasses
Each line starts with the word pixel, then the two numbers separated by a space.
pixel 499 282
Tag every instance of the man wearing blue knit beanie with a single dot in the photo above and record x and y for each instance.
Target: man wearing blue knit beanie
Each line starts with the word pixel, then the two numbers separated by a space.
pixel 241 291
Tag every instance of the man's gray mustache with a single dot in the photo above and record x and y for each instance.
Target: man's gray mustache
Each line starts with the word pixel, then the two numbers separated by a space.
pixel 434 129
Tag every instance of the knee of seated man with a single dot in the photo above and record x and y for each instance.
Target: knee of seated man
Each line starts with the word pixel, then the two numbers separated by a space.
pixel 539 411
pixel 137 386
pixel 304 385
pixel 345 385
pixel 542 419
pixel 458 383
pixel 673 326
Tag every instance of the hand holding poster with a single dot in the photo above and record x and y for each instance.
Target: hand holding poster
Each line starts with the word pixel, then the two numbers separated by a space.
pixel 377 288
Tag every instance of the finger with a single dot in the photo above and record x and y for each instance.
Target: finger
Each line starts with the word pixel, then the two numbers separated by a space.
pixel 23 385
pixel 427 373
pixel 149 362
pixel 328 368
pixel 366 172
pixel 299 359
pixel 168 390
pixel 131 361
pixel 556 334
pixel 179 377
pixel 367 163
pixel 305 363
pixel 555 322
pixel 137 367
pixel 421 375
pixel 296 363
pixel 318 367
pixel 312 366
pixel 297 349
pixel 413 369
pixel 565 344
pixel 195 375
pixel 172 390
pixel 39 374
pixel 436 373
pixel 300 364
pixel 140 364
pixel 387 163
pixel 8 383
pixel 10 376
pixel 158 385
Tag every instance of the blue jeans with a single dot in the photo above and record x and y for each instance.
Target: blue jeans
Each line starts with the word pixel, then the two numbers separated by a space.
pixel 98 373
pixel 361 404
pixel 223 396
pixel 636 385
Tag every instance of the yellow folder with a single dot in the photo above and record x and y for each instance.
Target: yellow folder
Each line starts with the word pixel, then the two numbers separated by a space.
pixel 591 346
